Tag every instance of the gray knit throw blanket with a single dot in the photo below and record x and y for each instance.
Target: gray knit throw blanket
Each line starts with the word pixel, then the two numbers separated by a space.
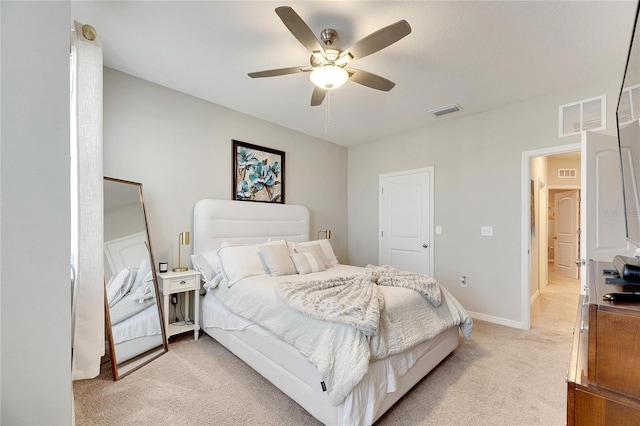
pixel 355 300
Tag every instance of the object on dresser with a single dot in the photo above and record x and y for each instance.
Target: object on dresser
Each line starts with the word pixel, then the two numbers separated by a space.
pixel 623 297
pixel 628 268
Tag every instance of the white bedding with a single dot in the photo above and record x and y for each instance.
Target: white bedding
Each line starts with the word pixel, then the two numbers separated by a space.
pixel 340 352
pixel 130 305
pixel 361 406
pixel 144 323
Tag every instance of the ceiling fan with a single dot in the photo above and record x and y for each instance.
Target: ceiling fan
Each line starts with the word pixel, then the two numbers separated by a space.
pixel 328 64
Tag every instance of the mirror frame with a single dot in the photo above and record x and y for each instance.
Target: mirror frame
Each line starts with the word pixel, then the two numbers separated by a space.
pixel 121 370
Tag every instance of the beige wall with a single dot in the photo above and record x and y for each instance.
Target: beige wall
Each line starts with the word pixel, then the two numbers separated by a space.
pixel 478 179
pixel 563 163
pixel 179 148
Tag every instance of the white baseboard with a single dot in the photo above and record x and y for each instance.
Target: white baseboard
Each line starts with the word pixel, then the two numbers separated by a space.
pixel 497 320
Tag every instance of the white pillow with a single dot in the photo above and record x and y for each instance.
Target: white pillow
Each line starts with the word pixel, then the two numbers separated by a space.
pixel 214 282
pixel 209 265
pixel 308 262
pixel 203 266
pixel 278 259
pixel 146 290
pixel 143 270
pixel 239 262
pixel 329 256
pixel 312 248
pixel 119 286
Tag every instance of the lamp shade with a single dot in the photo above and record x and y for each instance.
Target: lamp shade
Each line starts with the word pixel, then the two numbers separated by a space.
pixel 329 77
pixel 184 238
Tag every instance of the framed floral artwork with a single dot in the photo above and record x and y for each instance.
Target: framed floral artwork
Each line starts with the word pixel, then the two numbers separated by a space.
pixel 258 173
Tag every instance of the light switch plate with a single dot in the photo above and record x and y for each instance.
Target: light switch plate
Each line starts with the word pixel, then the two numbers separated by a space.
pixel 486 231
pixel 438 230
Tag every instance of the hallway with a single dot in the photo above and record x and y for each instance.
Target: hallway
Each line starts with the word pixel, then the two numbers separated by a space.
pixel 557 304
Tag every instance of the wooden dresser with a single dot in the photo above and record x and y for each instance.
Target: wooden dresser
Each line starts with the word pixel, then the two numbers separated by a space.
pixel 604 374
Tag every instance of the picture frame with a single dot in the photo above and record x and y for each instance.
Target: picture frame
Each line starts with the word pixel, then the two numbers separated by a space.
pixel 258 173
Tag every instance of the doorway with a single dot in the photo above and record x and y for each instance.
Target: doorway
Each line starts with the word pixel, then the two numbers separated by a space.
pixel 555 226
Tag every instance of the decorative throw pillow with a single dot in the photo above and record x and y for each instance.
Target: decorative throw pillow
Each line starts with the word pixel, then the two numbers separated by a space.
pixel 308 262
pixel 312 248
pixel 328 255
pixel 141 275
pixel 278 259
pixel 214 282
pixel 119 286
pixel 145 290
pixel 201 265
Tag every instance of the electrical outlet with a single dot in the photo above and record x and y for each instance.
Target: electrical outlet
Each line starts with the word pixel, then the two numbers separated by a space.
pixel 174 299
pixel 463 281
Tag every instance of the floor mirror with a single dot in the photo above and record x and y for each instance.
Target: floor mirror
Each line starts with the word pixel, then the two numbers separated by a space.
pixel 134 325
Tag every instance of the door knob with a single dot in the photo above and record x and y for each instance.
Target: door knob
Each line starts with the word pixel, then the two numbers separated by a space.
pixel 580 262
pixel 425 246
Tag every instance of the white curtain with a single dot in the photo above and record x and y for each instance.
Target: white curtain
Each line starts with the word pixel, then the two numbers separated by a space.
pixel 87 260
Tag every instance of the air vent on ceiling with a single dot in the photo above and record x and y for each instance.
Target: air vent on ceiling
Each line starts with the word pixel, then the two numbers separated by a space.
pixel 445 110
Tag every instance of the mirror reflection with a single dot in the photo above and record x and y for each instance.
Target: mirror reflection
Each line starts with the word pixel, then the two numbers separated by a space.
pixel 134 317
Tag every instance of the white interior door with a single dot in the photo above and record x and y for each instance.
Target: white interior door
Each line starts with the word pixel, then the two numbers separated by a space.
pixel 566 236
pixel 602 222
pixel 406 220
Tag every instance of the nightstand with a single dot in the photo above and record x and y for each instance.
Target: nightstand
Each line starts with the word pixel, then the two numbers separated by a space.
pixel 181 282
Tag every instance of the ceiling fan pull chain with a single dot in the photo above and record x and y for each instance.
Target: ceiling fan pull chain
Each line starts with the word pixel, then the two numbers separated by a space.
pixel 327 112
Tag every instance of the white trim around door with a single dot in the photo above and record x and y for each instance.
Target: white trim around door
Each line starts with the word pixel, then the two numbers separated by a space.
pixel 525 274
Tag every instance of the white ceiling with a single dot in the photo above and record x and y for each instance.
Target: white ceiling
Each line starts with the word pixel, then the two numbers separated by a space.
pixel 479 54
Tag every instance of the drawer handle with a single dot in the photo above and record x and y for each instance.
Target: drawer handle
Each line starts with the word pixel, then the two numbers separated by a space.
pixel 583 326
pixel 183 282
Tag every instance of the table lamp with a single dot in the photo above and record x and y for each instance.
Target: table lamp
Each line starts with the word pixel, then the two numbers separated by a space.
pixel 183 240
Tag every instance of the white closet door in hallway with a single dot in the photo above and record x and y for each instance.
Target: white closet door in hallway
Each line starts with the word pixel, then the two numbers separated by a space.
pixel 565 244
pixel 406 220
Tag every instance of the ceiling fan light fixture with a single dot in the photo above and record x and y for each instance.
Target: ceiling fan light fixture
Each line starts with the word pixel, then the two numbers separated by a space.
pixel 329 77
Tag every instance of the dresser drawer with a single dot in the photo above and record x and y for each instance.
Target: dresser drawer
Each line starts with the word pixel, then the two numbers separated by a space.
pixel 617 364
pixel 597 410
pixel 179 284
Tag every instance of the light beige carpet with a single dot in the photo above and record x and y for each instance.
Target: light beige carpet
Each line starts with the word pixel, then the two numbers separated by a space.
pixel 504 376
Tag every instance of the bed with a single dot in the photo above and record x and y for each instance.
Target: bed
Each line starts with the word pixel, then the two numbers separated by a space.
pixel 250 312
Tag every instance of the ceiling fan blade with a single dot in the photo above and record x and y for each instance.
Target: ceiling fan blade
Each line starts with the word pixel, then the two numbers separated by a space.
pixel 370 80
pixel 378 40
pixel 318 96
pixel 273 73
pixel 299 28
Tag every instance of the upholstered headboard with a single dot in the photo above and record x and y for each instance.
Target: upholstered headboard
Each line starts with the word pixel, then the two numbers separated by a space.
pixel 246 222
pixel 125 251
